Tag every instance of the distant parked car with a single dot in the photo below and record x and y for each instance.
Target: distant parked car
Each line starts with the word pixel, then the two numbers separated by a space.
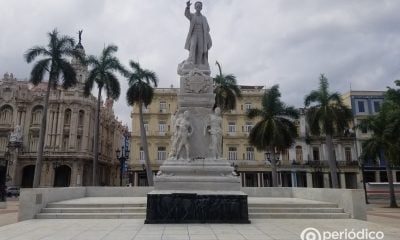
pixel 12 191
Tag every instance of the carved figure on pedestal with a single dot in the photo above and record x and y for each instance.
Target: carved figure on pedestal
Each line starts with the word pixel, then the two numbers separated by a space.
pixel 198 40
pixel 215 130
pixel 16 136
pixel 175 120
pixel 185 131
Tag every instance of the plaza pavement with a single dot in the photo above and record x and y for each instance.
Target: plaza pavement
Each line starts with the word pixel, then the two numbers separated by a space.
pixel 379 219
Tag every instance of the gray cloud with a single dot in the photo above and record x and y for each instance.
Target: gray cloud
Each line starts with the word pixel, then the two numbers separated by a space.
pixel 262 42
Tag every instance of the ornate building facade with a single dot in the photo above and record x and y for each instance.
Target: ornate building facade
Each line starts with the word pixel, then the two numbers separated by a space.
pixel 302 165
pixel 68 150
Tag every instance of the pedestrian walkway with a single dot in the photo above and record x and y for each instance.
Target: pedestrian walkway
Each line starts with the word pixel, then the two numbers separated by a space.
pixel 120 229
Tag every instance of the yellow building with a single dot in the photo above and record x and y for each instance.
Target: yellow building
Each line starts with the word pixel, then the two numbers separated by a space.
pixel 302 165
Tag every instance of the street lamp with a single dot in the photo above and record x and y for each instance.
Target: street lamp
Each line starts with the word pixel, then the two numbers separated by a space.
pixel 122 156
pixel 4 164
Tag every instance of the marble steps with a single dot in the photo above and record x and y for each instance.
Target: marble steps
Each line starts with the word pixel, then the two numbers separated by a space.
pixel 96 210
pixel 90 216
pixel 295 210
pixel 299 215
pixel 257 210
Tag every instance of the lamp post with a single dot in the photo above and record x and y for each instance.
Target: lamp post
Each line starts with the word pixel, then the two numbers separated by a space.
pixel 122 156
pixel 4 163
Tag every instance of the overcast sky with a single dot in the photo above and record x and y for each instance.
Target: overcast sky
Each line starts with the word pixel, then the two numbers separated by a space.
pixel 355 43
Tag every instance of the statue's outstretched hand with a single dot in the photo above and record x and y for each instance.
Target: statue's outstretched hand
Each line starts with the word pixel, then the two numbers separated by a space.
pixel 188 4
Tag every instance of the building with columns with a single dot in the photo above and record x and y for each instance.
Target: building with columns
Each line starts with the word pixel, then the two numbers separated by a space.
pixel 302 165
pixel 68 150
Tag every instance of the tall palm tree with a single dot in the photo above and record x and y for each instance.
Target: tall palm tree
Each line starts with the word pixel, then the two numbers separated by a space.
pixel 103 74
pixel 55 64
pixel 326 114
pixel 226 90
pixel 380 145
pixel 276 128
pixel 141 92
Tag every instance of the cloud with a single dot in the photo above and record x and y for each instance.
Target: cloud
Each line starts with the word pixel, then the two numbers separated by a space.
pixel 261 42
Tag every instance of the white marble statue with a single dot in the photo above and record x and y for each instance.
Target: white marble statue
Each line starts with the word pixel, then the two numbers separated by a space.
pixel 184 133
pixel 16 136
pixel 198 40
pixel 175 120
pixel 215 130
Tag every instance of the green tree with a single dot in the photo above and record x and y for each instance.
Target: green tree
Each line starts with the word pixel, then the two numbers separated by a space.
pixel 226 91
pixel 141 92
pixel 276 128
pixel 327 115
pixel 102 73
pixel 55 64
pixel 380 146
pixel 385 140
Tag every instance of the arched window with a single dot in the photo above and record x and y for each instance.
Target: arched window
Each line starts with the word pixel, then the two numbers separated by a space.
pixel 299 154
pixel 67 117
pixel 36 115
pixel 81 118
pixel 6 113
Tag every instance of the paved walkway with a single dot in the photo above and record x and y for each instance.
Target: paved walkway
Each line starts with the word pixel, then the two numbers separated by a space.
pixel 135 229
pixel 379 219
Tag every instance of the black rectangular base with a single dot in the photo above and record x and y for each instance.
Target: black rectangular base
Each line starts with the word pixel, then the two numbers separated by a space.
pixel 196 208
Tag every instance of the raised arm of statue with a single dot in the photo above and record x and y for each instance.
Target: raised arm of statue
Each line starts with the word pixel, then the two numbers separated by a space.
pixel 187 10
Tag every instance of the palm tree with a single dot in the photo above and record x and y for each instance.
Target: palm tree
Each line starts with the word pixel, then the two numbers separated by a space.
pixel 326 114
pixel 55 64
pixel 380 146
pixel 141 92
pixel 102 73
pixel 226 91
pixel 276 128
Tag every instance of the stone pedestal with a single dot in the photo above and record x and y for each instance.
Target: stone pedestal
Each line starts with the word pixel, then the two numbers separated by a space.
pixel 196 207
pixel 198 187
pixel 197 174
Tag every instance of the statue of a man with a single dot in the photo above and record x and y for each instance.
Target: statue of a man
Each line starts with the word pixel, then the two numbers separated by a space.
pixel 185 131
pixel 198 40
pixel 175 120
pixel 215 130
pixel 80 35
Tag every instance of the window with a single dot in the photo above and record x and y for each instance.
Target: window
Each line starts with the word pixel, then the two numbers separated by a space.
pixel 6 115
pixel 162 153
pixel 232 153
pixel 65 142
pixel 248 126
pixel 163 106
pixel 78 143
pixel 377 106
pixel 315 152
pixel 347 154
pixel 33 143
pixel 146 126
pixel 36 115
pixel 231 127
pixel 144 109
pixel 249 153
pixel 141 154
pixel 361 106
pixel 67 117
pixel 247 106
pixel 162 126
pixel 299 154
pixel 81 118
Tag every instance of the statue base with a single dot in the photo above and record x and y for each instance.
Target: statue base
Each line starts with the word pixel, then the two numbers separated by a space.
pixel 197 174
pixel 196 207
